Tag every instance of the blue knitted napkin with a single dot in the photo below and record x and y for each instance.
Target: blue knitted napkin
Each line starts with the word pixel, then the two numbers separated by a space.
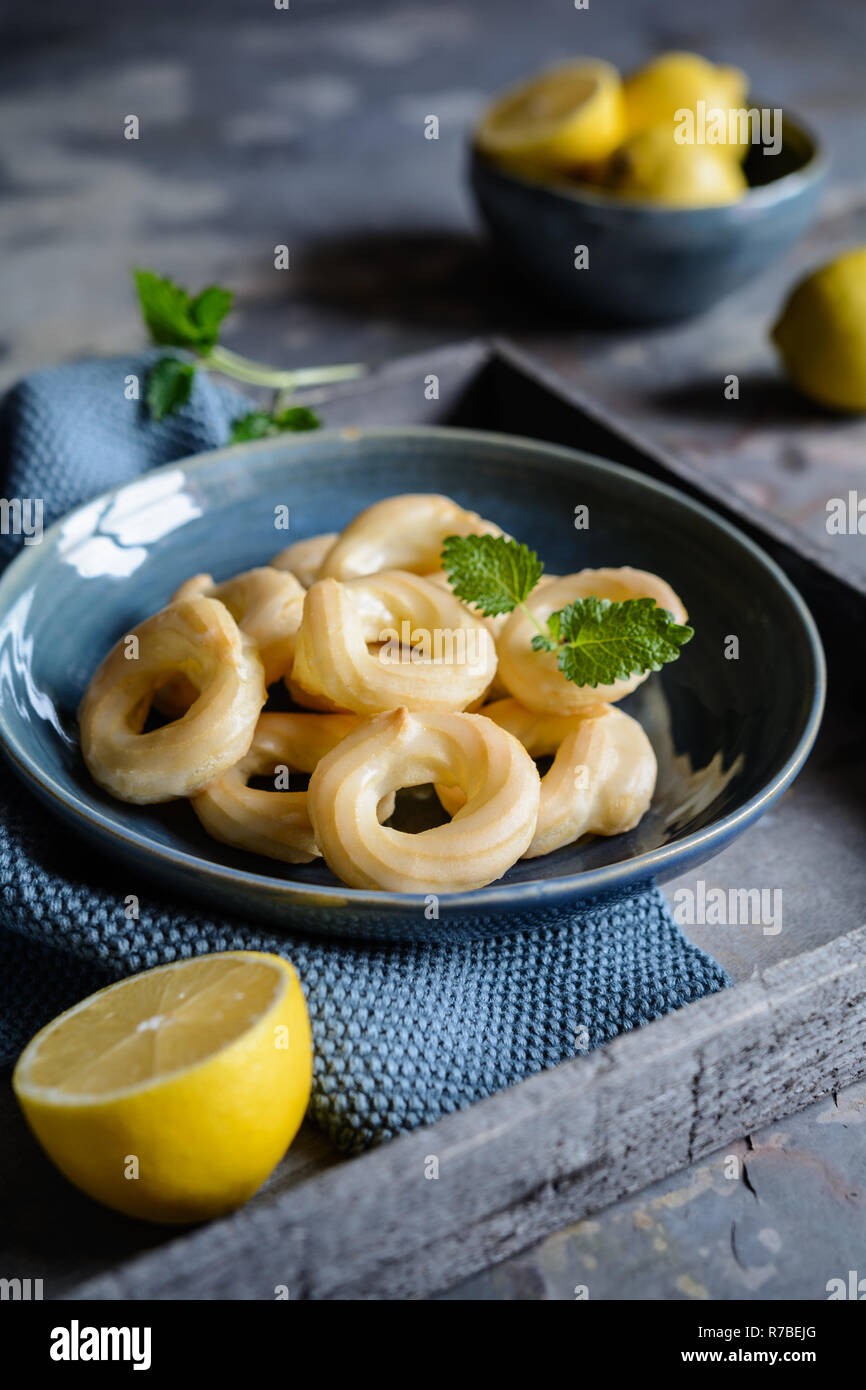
pixel 402 1034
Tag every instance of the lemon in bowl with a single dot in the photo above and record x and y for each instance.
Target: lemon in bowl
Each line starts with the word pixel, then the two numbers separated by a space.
pixel 171 1095
pixel 677 82
pixel 653 167
pixel 644 227
pixel 567 117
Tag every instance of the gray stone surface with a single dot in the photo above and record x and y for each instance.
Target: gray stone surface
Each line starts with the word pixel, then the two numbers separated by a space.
pixel 750 1221
pixel 305 127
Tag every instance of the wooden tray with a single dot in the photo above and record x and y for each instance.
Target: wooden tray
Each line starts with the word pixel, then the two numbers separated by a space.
pixel 571 1140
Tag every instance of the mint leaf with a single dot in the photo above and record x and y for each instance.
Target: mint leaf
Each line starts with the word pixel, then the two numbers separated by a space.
pixel 490 572
pixel 601 641
pixel 173 318
pixel 255 425
pixel 297 417
pixel 258 424
pixel 208 310
pixel 551 643
pixel 169 383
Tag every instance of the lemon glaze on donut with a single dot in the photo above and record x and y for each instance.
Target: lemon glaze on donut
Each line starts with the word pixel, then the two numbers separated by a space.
pixel 534 678
pixel 304 558
pixel 401 533
pixel 340 621
pixel 274 823
pixel 265 602
pixel 602 778
pixel 196 638
pixel 398 749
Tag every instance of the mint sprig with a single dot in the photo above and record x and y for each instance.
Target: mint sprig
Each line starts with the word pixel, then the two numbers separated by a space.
pixel 597 640
pixel 258 424
pixel 601 640
pixel 174 318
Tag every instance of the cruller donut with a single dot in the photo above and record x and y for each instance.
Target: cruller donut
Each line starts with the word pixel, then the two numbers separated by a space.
pixel 438 656
pixel 196 638
pixel 304 558
pixel 274 823
pixel 264 602
pixel 534 678
pixel 401 533
pixel 602 778
pixel 398 749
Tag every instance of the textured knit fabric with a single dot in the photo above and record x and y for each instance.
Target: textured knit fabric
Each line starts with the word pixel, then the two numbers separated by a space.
pixel 402 1034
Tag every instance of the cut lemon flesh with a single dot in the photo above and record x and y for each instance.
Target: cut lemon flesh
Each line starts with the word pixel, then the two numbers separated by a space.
pixel 150 1025
pixel 171 1095
pixel 563 118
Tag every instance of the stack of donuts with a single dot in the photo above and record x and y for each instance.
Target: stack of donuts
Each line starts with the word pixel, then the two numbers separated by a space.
pixel 395 684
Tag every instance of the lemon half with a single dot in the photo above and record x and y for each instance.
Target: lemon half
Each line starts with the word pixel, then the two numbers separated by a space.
pixel 172 1095
pixel 567 116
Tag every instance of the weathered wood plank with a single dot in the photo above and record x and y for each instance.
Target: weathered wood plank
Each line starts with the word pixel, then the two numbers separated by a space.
pixel 774 1215
pixel 547 1152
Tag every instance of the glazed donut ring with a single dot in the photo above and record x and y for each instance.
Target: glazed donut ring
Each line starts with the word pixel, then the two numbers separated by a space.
pixel 454 654
pixel 401 533
pixel 274 823
pixel 602 778
pixel 533 677
pixel 494 625
pixel 266 603
pixel 398 749
pixel 197 638
pixel 376 616
pixel 304 558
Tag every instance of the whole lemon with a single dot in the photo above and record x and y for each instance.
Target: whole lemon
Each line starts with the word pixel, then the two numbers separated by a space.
pixel 652 167
pixel 821 333
pixel 678 81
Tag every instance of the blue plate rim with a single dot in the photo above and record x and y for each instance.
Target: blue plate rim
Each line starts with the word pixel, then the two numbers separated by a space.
pixel 517 896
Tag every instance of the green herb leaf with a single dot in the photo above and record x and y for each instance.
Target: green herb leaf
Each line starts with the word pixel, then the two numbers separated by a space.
pixel 174 318
pixel 540 643
pixel 258 424
pixel 169 383
pixel 254 425
pixel 297 417
pixel 208 310
pixel 601 641
pixel 490 572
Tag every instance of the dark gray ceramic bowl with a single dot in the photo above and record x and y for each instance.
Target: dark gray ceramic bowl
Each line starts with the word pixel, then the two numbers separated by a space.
pixel 646 263
pixel 729 735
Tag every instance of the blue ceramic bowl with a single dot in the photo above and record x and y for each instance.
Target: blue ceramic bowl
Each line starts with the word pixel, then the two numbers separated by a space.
pixel 648 263
pixel 729 734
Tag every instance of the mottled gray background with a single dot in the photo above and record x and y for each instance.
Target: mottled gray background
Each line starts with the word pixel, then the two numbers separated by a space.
pixel 306 127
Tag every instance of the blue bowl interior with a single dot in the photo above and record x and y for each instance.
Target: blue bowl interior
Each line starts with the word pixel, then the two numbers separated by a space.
pixel 724 730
